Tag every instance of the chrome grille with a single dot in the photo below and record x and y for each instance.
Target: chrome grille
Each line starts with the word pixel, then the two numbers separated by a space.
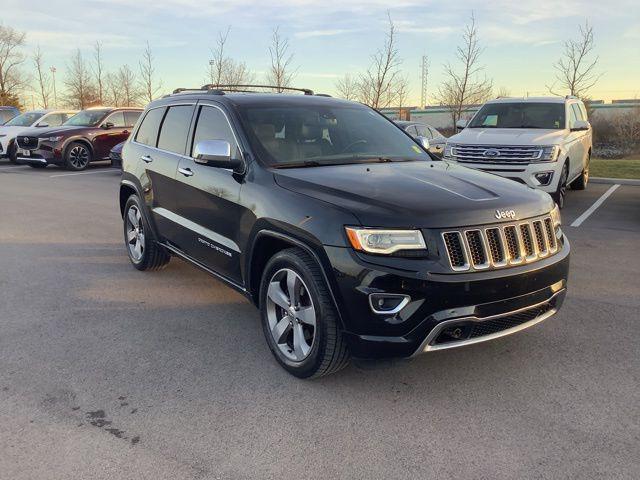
pixel 27 143
pixel 497 154
pixel 500 246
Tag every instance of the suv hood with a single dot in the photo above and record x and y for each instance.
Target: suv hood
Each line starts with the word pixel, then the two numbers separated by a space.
pixel 50 131
pixel 421 194
pixel 509 136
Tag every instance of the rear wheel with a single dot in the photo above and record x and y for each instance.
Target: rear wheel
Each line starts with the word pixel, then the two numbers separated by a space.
pixel 144 252
pixel 77 156
pixel 561 191
pixel 580 183
pixel 299 319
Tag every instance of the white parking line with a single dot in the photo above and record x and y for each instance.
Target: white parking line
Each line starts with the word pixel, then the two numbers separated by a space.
pixel 81 173
pixel 578 221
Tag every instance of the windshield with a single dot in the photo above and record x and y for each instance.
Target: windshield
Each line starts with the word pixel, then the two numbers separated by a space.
pixel 326 135
pixel 86 118
pixel 520 115
pixel 25 120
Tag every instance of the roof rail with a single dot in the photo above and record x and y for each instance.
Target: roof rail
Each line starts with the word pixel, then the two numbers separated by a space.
pixel 221 89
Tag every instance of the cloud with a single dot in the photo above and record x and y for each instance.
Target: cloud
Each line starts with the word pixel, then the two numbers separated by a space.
pixel 324 33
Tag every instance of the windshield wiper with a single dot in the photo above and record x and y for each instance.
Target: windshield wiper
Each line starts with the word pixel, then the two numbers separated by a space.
pixel 338 161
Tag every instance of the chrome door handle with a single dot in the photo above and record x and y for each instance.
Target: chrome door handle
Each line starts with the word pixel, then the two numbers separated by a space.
pixel 187 172
pixel 146 159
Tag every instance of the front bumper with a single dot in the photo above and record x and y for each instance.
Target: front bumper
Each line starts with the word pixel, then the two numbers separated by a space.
pixel 527 174
pixel 41 155
pixel 481 305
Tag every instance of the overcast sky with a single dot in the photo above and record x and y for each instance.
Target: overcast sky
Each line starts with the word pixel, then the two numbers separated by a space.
pixel 333 37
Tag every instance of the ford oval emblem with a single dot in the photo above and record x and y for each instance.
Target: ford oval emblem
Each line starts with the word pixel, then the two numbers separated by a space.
pixel 492 152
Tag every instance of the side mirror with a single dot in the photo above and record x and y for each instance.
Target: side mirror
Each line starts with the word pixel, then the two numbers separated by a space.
pixel 107 125
pixel 42 125
pixel 424 142
pixel 461 124
pixel 215 153
pixel 580 125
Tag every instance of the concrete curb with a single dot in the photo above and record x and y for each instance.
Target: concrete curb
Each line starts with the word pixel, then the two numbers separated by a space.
pixel 620 181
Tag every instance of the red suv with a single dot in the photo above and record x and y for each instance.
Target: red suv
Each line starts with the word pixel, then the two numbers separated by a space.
pixel 86 137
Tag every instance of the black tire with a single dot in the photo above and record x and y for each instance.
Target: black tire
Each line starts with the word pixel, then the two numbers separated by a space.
pixel 581 182
pixel 329 351
pixel 38 165
pixel 561 192
pixel 153 256
pixel 77 156
pixel 13 153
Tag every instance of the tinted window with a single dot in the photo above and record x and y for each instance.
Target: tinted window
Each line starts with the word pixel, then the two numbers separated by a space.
pixel 130 118
pixel 213 125
pixel 175 128
pixel 117 119
pixel 148 131
pixel 520 115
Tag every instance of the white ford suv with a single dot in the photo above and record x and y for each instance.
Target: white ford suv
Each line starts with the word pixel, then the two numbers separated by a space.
pixel 543 142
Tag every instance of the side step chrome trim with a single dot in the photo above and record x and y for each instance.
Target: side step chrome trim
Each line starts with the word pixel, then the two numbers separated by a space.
pixel 426 347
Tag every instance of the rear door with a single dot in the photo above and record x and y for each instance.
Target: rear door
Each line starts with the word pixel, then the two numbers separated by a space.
pixel 156 167
pixel 207 198
pixel 104 139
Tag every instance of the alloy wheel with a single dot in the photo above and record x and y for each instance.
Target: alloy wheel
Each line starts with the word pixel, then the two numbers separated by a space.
pixel 135 233
pixel 291 315
pixel 79 156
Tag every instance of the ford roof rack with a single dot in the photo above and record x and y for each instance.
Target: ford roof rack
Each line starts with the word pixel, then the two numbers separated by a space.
pixel 241 88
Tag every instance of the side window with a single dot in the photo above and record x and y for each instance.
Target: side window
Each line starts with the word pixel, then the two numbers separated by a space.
pixel 148 131
pixel 583 109
pixel 434 133
pixel 213 125
pixel 130 118
pixel 117 119
pixel 175 128
pixel 411 130
pixel 424 132
pixel 54 119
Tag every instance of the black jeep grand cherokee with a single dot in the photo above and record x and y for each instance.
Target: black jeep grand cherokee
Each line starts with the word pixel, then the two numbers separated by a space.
pixel 347 235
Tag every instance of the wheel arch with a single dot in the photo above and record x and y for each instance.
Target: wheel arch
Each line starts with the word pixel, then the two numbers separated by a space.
pixel 82 140
pixel 265 245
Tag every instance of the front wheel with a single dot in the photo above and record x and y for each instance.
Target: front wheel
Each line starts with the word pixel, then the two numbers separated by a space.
pixel 144 252
pixel 561 191
pixel 580 183
pixel 77 156
pixel 299 319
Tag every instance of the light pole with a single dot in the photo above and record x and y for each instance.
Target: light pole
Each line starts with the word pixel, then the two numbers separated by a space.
pixel 55 95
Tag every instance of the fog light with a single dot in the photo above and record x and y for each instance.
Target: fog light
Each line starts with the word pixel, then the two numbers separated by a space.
pixel 388 303
pixel 544 177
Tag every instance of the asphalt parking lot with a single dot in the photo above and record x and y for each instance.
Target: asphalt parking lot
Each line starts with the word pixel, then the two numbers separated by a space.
pixel 107 372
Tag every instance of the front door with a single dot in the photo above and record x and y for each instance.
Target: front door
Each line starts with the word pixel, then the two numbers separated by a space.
pixel 207 199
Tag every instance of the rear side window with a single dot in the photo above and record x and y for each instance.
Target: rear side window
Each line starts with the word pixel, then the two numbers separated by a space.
pixel 213 125
pixel 130 118
pixel 148 131
pixel 175 129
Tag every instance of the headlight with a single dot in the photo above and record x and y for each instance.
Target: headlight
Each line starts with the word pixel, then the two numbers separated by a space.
pixel 385 242
pixel 550 153
pixel 555 217
pixel 450 150
pixel 53 139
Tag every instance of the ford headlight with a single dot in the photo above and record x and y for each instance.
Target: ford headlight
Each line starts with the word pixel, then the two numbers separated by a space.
pixel 550 153
pixel 385 242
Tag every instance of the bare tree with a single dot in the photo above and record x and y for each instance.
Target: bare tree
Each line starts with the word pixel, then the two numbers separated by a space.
pixel 347 87
pixel 401 92
pixel 378 85
pixel 98 71
pixel 81 92
pixel 12 79
pixel 576 69
pixel 281 73
pixel 127 81
pixel 148 86
pixel 503 92
pixel 42 77
pixel 465 86
pixel 113 92
pixel 218 61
